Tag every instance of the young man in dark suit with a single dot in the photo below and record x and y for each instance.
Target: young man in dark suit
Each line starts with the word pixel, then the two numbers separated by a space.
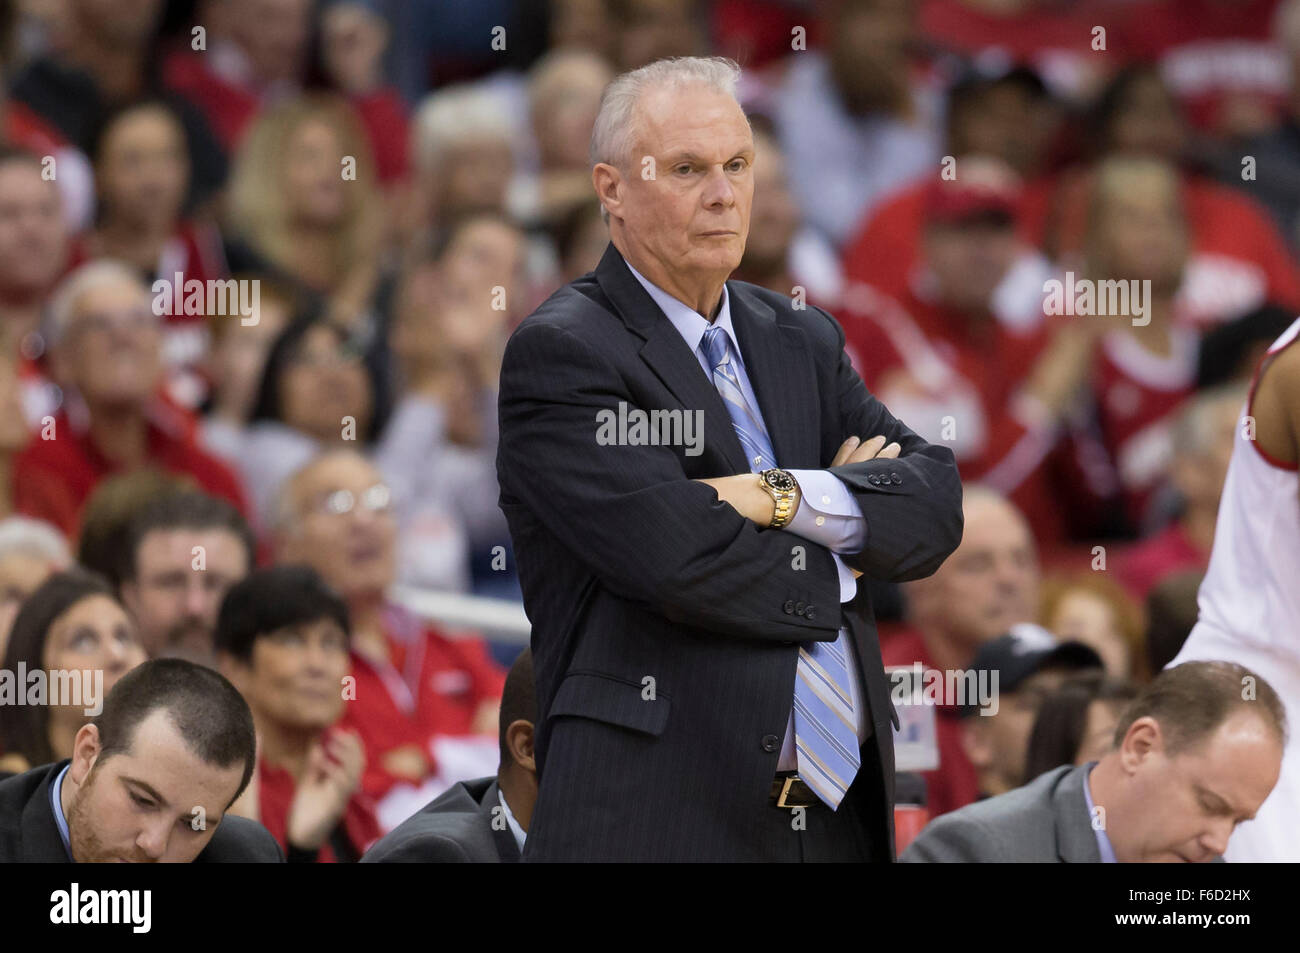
pixel 693 476
pixel 150 779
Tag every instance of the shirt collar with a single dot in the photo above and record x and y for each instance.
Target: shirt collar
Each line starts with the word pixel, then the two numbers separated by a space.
pixel 56 803
pixel 688 322
pixel 515 829
pixel 1103 842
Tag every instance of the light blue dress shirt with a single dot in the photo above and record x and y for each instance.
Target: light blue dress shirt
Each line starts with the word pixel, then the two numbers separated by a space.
pixel 828 514
pixel 1103 842
pixel 56 802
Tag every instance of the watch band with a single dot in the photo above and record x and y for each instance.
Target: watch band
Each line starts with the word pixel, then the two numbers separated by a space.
pixel 784 500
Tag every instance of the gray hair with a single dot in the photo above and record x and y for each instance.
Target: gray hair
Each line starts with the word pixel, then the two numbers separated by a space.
pixel 23 536
pixel 456 116
pixel 613 134
pixel 89 277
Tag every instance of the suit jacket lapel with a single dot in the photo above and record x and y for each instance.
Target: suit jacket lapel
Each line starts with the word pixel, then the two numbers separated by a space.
pixel 1076 841
pixel 783 384
pixel 776 360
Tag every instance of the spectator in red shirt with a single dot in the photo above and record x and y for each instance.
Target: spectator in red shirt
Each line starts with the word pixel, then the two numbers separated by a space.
pixel 1005 115
pixel 105 348
pixel 282 637
pixel 1237 259
pixel 413 685
pixel 964 353
pixel 1092 608
pixel 1203 437
pixel 989 584
pixel 257 54
pixel 1144 364
pixel 33 255
pixel 1219 57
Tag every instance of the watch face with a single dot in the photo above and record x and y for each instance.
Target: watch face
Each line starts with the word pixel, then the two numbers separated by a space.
pixel 779 480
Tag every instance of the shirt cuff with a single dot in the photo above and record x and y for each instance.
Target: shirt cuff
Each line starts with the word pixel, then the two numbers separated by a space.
pixel 828 513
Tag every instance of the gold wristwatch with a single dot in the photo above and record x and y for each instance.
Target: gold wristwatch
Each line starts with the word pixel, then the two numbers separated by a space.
pixel 783 489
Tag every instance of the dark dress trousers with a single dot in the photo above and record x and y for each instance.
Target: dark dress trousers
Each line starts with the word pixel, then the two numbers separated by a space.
pixel 456 827
pixel 666 626
pixel 29 833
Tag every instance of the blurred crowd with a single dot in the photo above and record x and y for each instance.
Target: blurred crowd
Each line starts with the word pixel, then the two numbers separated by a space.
pixel 259 260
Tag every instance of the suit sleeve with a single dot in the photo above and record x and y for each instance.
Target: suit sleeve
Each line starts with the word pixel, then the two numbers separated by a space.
pixel 631 514
pixel 912 504
pixel 952 840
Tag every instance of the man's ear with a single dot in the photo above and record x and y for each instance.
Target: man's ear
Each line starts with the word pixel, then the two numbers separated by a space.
pixel 608 182
pixel 976 744
pixel 129 590
pixel 85 751
pixel 519 742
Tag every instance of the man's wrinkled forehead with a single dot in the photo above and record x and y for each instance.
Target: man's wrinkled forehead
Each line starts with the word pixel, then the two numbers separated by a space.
pixel 690 118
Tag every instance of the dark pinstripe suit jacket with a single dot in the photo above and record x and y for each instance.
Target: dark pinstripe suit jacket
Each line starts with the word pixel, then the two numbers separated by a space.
pixel 665 625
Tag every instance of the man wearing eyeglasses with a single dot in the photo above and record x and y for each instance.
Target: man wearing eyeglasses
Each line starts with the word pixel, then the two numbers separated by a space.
pixel 105 348
pixel 413 686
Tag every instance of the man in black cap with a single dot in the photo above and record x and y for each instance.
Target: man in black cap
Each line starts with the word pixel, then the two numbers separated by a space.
pixel 1024 667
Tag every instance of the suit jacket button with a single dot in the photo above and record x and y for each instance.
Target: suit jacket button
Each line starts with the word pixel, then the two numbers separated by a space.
pixel 788 608
pixel 895 478
pixel 771 743
pixel 808 613
pixel 873 480
pixel 798 608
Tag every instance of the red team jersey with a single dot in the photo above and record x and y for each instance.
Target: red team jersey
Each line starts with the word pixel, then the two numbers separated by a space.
pixel 434 686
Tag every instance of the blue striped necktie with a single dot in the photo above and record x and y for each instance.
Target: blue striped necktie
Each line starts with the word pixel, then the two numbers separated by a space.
pixel 826 742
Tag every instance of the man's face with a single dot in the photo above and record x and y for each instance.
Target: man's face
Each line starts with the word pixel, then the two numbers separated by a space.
pixel 1004 737
pixel 1191 803
pixel 1142 235
pixel 143 169
pixel 33 235
pixel 174 601
pixel 295 673
pixel 692 217
pixel 775 214
pixel 969 261
pixel 988 584
pixel 343 526
pixel 141 805
pixel 112 350
pixel 273 34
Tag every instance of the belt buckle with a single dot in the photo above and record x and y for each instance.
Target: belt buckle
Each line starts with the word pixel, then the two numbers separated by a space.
pixel 785 791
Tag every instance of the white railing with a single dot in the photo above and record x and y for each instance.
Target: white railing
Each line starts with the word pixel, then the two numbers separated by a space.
pixel 502 620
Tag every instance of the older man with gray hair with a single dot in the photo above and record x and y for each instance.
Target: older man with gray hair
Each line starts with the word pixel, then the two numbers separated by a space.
pixel 105 347
pixel 709 680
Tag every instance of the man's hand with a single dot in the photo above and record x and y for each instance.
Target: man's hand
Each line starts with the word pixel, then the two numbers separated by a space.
pixel 854 450
pixel 332 774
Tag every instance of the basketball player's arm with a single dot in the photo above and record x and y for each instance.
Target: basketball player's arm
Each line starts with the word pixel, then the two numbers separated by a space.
pixel 1276 407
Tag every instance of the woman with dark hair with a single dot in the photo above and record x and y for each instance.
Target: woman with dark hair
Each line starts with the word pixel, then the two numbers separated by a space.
pixel 72 623
pixel 1076 723
pixel 282 639
pixel 316 392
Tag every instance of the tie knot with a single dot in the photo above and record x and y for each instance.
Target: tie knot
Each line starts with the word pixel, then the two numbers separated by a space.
pixel 715 346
